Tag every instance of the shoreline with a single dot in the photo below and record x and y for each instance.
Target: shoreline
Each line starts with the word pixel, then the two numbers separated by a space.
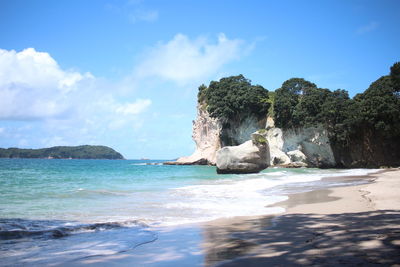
pixel 344 225
pixel 329 194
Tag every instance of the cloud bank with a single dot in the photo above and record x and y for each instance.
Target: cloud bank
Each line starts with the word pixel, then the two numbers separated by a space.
pixel 68 107
pixel 33 86
pixel 183 60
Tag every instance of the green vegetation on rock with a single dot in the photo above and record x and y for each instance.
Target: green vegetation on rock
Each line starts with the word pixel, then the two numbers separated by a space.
pixel 363 131
pixel 395 76
pixel 259 139
pixel 286 100
pixel 367 125
pixel 299 103
pixel 262 131
pixel 234 97
pixel 63 152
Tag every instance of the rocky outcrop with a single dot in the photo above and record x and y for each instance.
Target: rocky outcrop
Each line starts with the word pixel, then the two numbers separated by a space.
pixel 297 156
pixel 313 142
pixel 299 147
pixel 275 141
pixel 210 134
pixel 206 135
pixel 250 157
pixel 236 132
pixel 368 149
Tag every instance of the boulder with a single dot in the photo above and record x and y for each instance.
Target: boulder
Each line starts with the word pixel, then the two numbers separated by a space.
pixel 250 157
pixel 294 165
pixel 297 156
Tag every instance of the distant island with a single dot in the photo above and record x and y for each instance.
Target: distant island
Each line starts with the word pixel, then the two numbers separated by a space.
pixel 62 152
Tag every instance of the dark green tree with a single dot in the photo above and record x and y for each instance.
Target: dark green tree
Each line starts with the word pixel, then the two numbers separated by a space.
pixel 379 107
pixel 234 98
pixel 286 99
pixel 395 76
pixel 308 112
pixel 336 115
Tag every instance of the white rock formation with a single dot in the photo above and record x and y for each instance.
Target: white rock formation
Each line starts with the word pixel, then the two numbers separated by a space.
pixel 299 147
pixel 275 141
pixel 304 146
pixel 250 157
pixel 313 142
pixel 206 134
pixel 297 156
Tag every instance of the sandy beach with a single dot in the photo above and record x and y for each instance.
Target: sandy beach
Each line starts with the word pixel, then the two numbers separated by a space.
pixel 352 225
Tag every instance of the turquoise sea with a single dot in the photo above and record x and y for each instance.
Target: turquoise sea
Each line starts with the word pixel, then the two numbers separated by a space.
pixel 72 209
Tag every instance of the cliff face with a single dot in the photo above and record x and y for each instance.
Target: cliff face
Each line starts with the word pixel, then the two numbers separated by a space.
pixel 369 149
pixel 206 135
pixel 300 147
pixel 236 132
pixel 211 134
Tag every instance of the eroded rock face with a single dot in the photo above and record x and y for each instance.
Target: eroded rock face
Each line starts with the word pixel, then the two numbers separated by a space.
pixel 206 134
pixel 250 157
pixel 275 141
pixel 313 142
pixel 237 132
pixel 303 147
pixel 210 135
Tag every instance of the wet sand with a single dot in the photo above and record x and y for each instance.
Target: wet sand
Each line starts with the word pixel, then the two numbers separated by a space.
pixel 352 225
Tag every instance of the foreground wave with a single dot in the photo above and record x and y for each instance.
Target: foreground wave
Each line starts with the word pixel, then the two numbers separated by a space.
pixel 37 242
pixel 21 228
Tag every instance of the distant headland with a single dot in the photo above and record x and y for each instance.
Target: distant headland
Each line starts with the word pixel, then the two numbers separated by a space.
pixel 62 152
pixel 297 125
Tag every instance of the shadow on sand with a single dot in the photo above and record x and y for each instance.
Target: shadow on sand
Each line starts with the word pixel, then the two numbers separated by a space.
pixel 353 239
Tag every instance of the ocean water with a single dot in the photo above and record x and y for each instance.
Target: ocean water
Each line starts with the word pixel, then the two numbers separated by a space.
pixel 63 210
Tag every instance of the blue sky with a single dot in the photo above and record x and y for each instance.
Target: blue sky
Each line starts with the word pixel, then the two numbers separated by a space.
pixel 125 73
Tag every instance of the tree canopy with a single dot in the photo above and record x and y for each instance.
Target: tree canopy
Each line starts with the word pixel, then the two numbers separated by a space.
pixel 234 97
pixel 286 99
pixel 395 76
pixel 300 103
pixel 379 107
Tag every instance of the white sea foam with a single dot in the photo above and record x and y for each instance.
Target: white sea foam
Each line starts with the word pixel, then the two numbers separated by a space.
pixel 245 195
pixel 46 247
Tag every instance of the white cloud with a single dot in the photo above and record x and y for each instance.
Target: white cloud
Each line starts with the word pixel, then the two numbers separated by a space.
pixel 143 15
pixel 134 108
pixel 33 86
pixel 134 11
pixel 183 60
pixel 373 25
